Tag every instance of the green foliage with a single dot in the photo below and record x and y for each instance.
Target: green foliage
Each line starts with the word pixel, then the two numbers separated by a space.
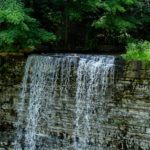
pixel 115 16
pixel 121 122
pixel 70 20
pixel 139 50
pixel 19 30
pixel 124 17
pixel 76 23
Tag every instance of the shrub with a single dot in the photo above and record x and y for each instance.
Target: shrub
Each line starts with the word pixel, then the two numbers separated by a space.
pixel 139 50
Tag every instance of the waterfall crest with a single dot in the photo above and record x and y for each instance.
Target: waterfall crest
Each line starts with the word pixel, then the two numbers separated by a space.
pixel 63 102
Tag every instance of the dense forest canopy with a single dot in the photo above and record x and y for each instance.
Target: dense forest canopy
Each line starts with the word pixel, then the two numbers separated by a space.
pixel 26 24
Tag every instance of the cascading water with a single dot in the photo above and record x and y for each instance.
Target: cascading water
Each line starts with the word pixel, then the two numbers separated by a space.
pixel 63 102
pixel 92 87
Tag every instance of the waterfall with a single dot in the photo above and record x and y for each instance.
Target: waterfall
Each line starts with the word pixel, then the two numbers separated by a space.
pixel 63 102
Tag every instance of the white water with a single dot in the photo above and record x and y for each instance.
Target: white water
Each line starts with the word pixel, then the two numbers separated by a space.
pixel 92 85
pixel 63 102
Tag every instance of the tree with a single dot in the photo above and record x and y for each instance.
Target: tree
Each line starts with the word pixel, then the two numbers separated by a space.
pixel 76 23
pixel 19 30
pixel 70 20
pixel 123 18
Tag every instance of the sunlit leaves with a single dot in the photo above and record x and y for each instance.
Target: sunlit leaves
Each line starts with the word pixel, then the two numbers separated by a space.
pixel 112 6
pixel 14 16
pixel 121 16
pixel 138 50
pixel 18 29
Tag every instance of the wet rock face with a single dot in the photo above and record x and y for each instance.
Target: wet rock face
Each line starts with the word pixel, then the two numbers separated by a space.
pixel 126 126
pixel 10 87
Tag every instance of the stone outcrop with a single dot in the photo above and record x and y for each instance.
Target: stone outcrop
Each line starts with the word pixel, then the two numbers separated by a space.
pixel 11 72
pixel 127 126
